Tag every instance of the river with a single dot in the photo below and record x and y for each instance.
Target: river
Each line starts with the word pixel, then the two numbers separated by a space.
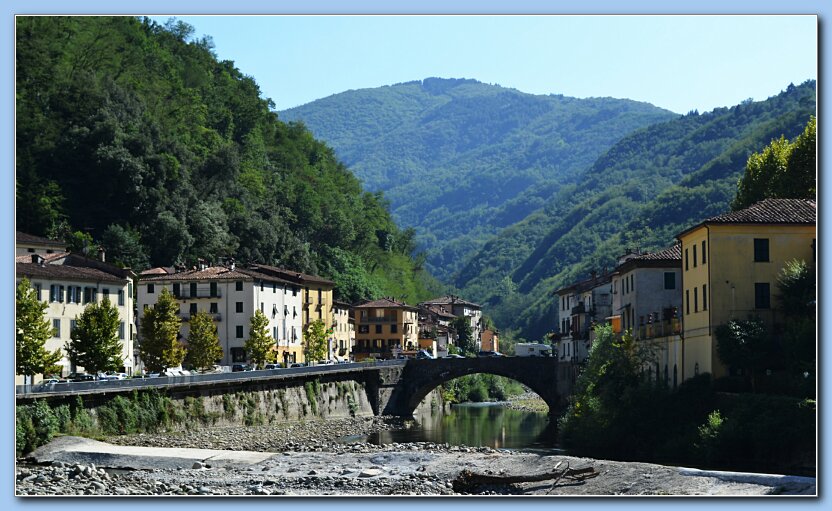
pixel 474 425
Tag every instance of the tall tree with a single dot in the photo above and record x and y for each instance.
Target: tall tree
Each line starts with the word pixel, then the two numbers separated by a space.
pixel 203 342
pixel 259 344
pixel 94 343
pixel 784 170
pixel 744 344
pixel 314 341
pixel 465 335
pixel 33 330
pixel 159 346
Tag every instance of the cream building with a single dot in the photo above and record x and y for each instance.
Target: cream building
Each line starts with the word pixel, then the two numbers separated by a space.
pixel 68 283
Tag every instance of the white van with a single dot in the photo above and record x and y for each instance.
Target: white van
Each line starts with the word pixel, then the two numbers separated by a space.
pixel 532 349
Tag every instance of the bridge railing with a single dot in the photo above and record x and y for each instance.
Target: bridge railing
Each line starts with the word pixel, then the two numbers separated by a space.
pixel 165 381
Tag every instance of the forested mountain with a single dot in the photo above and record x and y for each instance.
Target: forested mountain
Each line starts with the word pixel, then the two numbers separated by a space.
pixel 459 159
pixel 648 187
pixel 136 134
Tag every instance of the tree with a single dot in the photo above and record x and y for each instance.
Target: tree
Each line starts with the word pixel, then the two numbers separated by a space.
pixel 797 298
pixel 797 289
pixel 744 344
pixel 259 344
pixel 94 343
pixel 783 169
pixel 159 346
pixel 465 335
pixel 314 342
pixel 33 330
pixel 203 342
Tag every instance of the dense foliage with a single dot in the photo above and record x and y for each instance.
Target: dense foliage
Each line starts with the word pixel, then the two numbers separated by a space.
pixel 32 332
pixel 137 134
pixel 617 413
pixel 160 347
pixel 460 159
pixel 647 188
pixel 259 345
pixel 478 388
pixel 94 343
pixel 204 349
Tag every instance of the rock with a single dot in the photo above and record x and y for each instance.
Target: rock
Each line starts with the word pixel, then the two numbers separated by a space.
pixel 121 491
pixel 98 485
pixel 312 473
pixel 198 465
pixel 369 472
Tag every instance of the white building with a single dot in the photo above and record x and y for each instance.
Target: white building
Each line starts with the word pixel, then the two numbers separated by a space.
pixel 31 244
pixel 342 339
pixel 231 296
pixel 68 283
pixel 461 308
pixel 580 306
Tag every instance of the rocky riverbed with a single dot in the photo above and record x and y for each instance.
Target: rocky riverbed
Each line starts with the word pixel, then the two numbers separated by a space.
pixel 304 459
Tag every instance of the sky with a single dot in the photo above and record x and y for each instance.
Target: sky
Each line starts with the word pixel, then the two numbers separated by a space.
pixel 681 62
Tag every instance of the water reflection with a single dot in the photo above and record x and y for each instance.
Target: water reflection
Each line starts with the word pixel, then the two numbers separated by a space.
pixel 476 425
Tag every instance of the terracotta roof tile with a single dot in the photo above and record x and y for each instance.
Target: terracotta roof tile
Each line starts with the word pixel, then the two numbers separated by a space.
pixel 210 273
pixel 31 239
pixel 768 211
pixel 384 303
pixel 669 254
pixel 65 272
pixel 293 276
pixel 47 258
pixel 450 300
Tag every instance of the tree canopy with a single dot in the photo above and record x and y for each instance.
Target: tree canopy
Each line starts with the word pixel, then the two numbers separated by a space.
pixel 259 345
pixel 94 343
pixel 159 344
pixel 204 348
pixel 32 332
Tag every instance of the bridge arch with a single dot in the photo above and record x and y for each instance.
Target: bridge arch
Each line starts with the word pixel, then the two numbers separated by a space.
pixel 420 377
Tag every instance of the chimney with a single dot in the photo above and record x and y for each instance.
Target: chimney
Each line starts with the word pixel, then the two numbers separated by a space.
pixel 102 255
pixel 38 260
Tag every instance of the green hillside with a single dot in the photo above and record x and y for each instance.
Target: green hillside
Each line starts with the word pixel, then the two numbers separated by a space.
pixel 459 159
pixel 644 190
pixel 137 135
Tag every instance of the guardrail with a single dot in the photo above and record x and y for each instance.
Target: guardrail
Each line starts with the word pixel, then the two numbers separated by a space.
pixel 168 381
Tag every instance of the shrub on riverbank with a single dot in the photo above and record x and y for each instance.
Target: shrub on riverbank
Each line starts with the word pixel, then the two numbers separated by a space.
pixel 478 388
pixel 617 414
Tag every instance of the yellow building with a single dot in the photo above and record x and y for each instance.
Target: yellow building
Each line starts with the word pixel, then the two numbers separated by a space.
pixel 730 265
pixel 316 296
pixel 385 327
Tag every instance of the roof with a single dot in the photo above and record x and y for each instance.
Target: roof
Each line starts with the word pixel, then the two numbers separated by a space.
pixel 47 258
pixel 586 284
pixel 30 239
pixel 292 276
pixel 670 257
pixel 384 303
pixel 451 300
pixel 156 271
pixel 209 273
pixel 768 211
pixel 438 310
pixel 262 276
pixel 66 272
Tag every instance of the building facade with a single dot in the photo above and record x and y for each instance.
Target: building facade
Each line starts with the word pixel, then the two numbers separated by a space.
pixel 385 328
pixel 580 306
pixel 730 266
pixel 68 283
pixel 231 296
pixel 342 339
pixel 31 244
pixel 461 308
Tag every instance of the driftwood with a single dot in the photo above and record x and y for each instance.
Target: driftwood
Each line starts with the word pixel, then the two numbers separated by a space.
pixel 468 481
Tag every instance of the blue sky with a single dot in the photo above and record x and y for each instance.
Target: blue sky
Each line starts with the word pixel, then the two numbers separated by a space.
pixel 676 62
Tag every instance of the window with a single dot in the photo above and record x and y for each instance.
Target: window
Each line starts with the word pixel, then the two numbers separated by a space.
pixel 704 257
pixel 73 324
pixel 121 297
pixel 704 297
pixel 762 295
pixel 669 280
pixel 61 294
pixel 121 330
pixel 632 282
pixel 274 332
pixel 262 307
pixel 193 290
pixel 239 307
pixel 294 312
pixel 106 292
pixel 394 329
pixel 694 256
pixel 213 288
pixel 130 289
pixel 193 309
pixel 761 250
pixel 378 329
pixel 213 307
pixel 151 289
pixel 274 287
pixel 37 291
pixel 238 354
pixel 687 301
pixel 363 329
pixel 262 285
pixel 239 331
pixel 686 259
pixel 238 285
pixel 56 328
pixel 294 291
pixel 696 299
pixel 177 291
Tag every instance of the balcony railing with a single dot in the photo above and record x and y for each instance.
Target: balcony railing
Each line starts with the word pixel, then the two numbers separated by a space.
pixel 186 316
pixel 579 309
pixel 185 294
pixel 382 319
pixel 660 329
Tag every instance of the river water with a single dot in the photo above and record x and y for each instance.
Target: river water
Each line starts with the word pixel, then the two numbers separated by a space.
pixel 474 425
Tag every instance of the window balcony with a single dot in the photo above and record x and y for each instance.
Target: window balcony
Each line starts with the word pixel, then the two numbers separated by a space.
pixel 185 294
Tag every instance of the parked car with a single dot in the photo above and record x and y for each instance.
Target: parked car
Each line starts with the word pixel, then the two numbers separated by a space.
pixel 50 383
pixel 112 376
pixel 272 366
pixel 453 355
pixel 487 354
pixel 297 364
pixel 241 367
pixel 423 355
pixel 81 377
